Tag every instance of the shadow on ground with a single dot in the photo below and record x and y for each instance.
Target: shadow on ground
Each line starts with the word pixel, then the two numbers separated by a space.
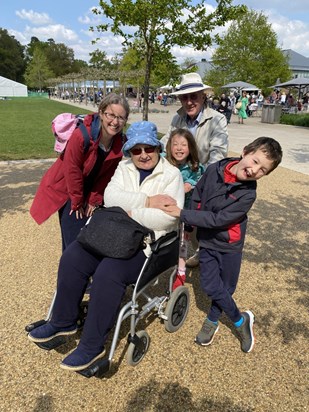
pixel 177 398
pixel 18 187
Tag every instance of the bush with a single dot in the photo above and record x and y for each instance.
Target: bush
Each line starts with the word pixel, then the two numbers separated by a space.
pixel 295 119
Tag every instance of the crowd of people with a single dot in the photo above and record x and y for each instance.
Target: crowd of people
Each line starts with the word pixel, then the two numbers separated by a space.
pixel 185 180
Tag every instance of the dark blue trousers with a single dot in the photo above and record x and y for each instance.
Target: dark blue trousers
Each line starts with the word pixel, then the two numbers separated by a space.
pixel 219 273
pixel 70 226
pixel 110 277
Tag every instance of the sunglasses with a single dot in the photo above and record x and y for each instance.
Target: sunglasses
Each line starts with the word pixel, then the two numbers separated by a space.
pixel 139 150
pixel 189 96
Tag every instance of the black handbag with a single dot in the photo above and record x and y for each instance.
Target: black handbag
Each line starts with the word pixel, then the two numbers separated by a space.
pixel 111 232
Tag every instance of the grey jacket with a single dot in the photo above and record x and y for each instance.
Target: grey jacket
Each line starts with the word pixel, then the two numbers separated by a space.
pixel 211 135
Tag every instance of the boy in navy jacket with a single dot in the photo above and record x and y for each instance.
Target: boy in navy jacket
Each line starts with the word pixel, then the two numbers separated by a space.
pixel 219 206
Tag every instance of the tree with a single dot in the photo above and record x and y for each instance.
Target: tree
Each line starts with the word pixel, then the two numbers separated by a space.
pixel 38 71
pixel 12 59
pixel 161 24
pixel 249 52
pixel 188 63
pixel 60 57
pixel 99 60
pixel 78 65
pixel 165 70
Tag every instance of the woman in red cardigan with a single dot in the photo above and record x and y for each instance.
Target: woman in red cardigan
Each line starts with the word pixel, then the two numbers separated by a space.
pixel 74 185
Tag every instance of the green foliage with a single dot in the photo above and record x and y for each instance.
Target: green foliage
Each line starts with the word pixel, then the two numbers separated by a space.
pixel 99 60
pixel 38 72
pixel 249 52
pixel 295 119
pixel 25 127
pixel 12 60
pixel 79 65
pixel 60 58
pixel 161 24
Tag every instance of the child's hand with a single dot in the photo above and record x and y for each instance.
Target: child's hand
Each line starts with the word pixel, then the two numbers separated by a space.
pixel 160 201
pixel 187 187
pixel 172 210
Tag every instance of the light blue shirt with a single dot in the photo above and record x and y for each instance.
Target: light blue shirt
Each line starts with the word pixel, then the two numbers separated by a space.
pixel 192 124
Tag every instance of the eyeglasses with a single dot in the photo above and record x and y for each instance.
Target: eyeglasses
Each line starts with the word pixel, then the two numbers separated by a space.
pixel 189 96
pixel 139 150
pixel 112 116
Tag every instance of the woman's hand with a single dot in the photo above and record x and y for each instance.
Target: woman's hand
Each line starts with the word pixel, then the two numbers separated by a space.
pixel 89 210
pixel 79 213
pixel 160 201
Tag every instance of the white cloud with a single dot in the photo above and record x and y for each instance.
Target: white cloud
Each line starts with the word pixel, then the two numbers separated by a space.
pixel 58 32
pixel 34 17
pixel 19 36
pixel 182 53
pixel 292 34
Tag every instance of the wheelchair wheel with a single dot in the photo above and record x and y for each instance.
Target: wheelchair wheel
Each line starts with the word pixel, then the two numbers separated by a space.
pixel 177 309
pixel 137 352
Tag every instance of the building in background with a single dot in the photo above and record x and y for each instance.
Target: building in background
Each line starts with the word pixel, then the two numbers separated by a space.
pixel 298 63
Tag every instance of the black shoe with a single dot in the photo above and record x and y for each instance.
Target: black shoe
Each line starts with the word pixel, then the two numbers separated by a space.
pixel 207 333
pixel 245 331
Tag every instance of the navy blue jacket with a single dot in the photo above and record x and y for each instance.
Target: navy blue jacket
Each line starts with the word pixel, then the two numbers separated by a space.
pixel 219 210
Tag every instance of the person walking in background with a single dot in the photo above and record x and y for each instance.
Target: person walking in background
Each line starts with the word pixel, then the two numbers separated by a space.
pixel 181 151
pixel 74 185
pixel 260 100
pixel 242 112
pixel 208 126
pixel 225 107
pixel 220 203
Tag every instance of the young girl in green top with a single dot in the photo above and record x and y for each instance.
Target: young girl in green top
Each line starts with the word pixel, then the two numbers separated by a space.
pixel 181 151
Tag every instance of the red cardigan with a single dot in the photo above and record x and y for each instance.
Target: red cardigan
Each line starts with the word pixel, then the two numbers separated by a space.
pixel 64 180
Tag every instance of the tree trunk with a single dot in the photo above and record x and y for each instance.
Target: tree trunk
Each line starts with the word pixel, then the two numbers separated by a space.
pixel 147 84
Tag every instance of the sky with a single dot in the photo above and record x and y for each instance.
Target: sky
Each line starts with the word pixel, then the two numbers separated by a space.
pixel 68 22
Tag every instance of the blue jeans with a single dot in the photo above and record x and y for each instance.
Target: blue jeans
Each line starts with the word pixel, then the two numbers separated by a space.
pixel 219 273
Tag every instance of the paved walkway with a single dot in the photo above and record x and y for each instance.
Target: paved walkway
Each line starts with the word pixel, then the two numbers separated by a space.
pixel 293 139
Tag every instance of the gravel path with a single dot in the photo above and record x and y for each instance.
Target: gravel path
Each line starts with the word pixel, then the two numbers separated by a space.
pixel 176 375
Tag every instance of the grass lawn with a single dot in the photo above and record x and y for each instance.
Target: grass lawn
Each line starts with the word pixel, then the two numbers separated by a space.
pixel 25 127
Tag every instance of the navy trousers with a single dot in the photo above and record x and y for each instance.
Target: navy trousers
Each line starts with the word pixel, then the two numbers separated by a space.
pixel 110 277
pixel 219 273
pixel 70 226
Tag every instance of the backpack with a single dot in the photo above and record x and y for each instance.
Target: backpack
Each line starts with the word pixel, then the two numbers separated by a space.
pixel 64 125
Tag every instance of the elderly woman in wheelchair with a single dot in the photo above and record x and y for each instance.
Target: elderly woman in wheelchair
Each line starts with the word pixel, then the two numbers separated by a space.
pixel 143 185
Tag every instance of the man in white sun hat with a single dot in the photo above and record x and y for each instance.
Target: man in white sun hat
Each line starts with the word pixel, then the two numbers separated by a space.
pixel 208 127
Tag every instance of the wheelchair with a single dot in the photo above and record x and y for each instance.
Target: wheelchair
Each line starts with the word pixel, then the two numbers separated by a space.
pixel 171 308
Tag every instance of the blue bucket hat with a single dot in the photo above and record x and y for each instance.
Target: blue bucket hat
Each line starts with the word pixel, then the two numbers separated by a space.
pixel 141 133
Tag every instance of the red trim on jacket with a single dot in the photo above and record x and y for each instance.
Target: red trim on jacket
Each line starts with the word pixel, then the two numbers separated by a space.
pixel 230 177
pixel 234 231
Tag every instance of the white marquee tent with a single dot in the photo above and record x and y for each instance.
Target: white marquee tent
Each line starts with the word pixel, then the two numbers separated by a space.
pixel 9 88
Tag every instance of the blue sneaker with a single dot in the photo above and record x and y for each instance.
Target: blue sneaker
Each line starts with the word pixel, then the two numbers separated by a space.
pixel 79 360
pixel 48 332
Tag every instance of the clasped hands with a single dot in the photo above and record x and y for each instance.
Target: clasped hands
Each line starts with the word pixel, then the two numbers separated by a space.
pixel 165 203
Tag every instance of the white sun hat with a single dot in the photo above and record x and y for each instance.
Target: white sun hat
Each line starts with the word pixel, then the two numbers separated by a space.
pixel 190 83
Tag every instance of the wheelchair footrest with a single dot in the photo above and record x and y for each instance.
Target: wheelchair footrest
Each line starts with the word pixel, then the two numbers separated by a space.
pixel 97 368
pixel 52 344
